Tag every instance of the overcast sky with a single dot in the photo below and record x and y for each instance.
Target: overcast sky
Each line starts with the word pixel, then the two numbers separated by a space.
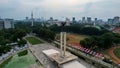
pixel 19 9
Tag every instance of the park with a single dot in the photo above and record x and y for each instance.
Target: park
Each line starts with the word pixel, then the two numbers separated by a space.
pixel 23 58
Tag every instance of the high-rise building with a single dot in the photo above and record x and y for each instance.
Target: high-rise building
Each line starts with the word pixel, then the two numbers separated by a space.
pixel 67 21
pixel 83 20
pixel 6 23
pixel 100 21
pixel 26 18
pixel 96 20
pixel 1 24
pixel 73 20
pixel 51 18
pixel 89 20
pixel 32 19
pixel 110 21
pixel 116 20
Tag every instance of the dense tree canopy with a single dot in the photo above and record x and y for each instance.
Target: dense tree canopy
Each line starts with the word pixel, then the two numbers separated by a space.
pixel 79 29
pixel 45 33
pixel 8 36
pixel 104 41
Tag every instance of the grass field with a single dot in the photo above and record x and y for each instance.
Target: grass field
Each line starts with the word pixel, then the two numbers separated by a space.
pixel 75 38
pixel 5 62
pixel 21 62
pixel 117 52
pixel 34 40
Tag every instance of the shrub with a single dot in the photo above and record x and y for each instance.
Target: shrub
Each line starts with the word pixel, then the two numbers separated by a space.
pixel 5 62
pixel 25 52
pixel 117 52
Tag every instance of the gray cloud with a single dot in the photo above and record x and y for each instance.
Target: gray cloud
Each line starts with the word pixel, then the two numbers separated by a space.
pixel 19 9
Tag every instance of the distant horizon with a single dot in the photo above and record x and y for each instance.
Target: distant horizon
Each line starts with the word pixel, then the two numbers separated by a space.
pixel 61 18
pixel 19 9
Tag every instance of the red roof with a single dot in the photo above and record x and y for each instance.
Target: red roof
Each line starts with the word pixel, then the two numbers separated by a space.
pixel 116 29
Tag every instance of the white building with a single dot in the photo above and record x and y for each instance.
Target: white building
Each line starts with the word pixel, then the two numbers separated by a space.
pixel 6 23
pixel 1 24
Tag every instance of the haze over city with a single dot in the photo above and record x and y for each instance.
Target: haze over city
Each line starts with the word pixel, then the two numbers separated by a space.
pixel 59 34
pixel 19 9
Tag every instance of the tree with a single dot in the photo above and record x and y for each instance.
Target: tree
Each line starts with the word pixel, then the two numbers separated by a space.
pixel 45 33
pixel 83 43
pixel 13 38
pixel 20 33
pixel 90 31
pixel 21 43
pixel 2 33
pixel 104 41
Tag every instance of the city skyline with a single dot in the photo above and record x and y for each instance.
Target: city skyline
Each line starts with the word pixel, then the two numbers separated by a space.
pixel 17 9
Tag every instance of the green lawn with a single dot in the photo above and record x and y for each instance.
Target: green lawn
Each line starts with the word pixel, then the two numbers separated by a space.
pixel 5 62
pixel 34 40
pixel 20 62
pixel 117 52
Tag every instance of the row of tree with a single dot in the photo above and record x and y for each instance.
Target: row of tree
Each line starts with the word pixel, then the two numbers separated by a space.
pixel 104 41
pixel 45 33
pixel 79 29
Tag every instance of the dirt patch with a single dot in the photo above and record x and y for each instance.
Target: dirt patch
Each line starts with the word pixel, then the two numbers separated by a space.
pixel 74 38
pixel 113 56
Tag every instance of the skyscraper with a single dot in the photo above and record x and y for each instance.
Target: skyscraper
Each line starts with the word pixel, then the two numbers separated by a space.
pixel 1 24
pixel 95 21
pixel 6 23
pixel 116 20
pixel 83 20
pixel 73 20
pixel 26 18
pixel 51 18
pixel 32 18
pixel 110 21
pixel 89 20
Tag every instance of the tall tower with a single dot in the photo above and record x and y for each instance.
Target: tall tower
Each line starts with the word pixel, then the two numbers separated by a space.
pixel 32 18
pixel 94 24
pixel 63 40
pixel 73 20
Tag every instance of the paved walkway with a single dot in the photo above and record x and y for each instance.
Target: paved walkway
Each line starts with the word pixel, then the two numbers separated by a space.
pixel 37 51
